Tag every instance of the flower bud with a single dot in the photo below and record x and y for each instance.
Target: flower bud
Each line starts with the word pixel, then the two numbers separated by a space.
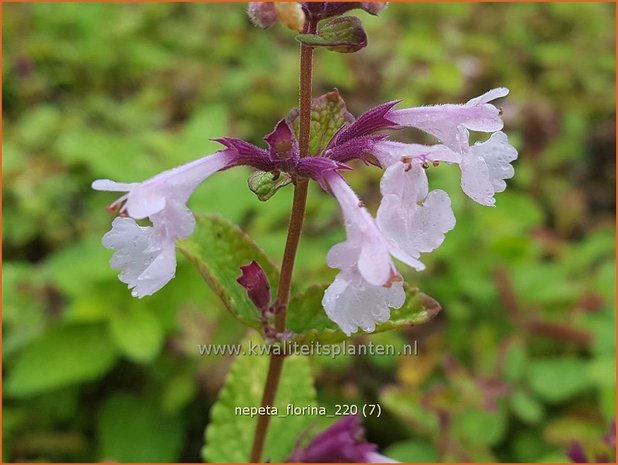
pixel 255 281
pixel 291 14
pixel 262 14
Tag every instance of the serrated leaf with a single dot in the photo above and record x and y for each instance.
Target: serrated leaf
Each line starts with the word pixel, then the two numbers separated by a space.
pixel 64 356
pixel 265 184
pixel 307 318
pixel 343 34
pixel 218 248
pixel 136 332
pixel 328 114
pixel 133 430
pixel 229 436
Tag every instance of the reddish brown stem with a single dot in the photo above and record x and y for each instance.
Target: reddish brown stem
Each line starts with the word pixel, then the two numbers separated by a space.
pixel 291 246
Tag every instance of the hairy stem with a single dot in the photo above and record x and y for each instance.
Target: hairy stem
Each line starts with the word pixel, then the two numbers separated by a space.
pixel 289 255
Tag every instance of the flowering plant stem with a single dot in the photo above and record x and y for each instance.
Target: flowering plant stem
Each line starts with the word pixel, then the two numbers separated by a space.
pixel 289 255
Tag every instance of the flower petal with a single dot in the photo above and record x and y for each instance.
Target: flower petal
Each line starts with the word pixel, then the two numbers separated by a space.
pixel 158 274
pixel 412 218
pixel 353 303
pixel 374 457
pixel 374 262
pixel 485 167
pixel 146 265
pixel 488 96
pixel 475 181
pixel 150 197
pixel 343 255
pixel 442 121
pixel 113 186
pixel 389 152
pixel 498 154
pixel 174 222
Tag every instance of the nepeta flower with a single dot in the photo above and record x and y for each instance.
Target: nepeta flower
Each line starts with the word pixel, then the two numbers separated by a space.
pixel 410 221
pixel 443 121
pixel 342 442
pixel 368 283
pixel 146 255
pixel 484 166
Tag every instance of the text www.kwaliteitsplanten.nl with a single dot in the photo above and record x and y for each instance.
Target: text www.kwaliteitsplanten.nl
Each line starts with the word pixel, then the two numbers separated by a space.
pixel 294 348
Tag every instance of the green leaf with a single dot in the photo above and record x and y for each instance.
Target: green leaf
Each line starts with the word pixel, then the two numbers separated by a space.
pixel 559 379
pixel 328 114
pixel 178 391
pixel 133 430
pixel 39 126
pixel 412 451
pixel 343 34
pixel 307 318
pixel 64 356
pixel 526 407
pixel 515 361
pixel 265 184
pixel 218 249
pixel 479 426
pixel 75 267
pixel 137 332
pixel 229 435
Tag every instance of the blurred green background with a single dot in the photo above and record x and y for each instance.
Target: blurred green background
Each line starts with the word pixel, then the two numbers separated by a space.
pixel 520 362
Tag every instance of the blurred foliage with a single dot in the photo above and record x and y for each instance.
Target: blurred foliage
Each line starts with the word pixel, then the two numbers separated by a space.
pixel 522 358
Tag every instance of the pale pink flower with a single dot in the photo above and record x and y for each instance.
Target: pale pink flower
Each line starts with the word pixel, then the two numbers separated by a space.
pixel 353 303
pixel 412 218
pixel 366 248
pixel 485 166
pixel 146 254
pixel 368 283
pixel 443 121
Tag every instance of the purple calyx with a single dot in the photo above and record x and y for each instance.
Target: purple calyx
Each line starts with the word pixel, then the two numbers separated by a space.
pixel 353 141
pixel 342 442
